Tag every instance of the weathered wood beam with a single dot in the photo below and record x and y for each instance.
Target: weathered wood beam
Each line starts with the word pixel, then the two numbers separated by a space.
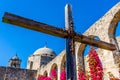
pixel 33 25
pixel 87 40
pixel 41 27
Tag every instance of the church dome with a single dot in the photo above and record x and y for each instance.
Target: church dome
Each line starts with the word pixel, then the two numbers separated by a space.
pixel 45 51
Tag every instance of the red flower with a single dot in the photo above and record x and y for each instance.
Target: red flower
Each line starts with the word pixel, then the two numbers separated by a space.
pixel 96 71
pixel 82 76
pixel 47 78
pixel 54 74
pixel 41 77
pixel 63 75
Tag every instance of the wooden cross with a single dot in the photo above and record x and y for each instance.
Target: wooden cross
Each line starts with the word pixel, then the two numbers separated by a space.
pixel 68 33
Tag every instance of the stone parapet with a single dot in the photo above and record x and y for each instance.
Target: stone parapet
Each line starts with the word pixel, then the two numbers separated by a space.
pixel 8 73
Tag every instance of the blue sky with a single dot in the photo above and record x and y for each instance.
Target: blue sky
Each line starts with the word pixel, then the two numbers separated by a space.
pixel 24 42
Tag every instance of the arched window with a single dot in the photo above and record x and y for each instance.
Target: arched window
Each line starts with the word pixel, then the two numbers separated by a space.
pixel 31 64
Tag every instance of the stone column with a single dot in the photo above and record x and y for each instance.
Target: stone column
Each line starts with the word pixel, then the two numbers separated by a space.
pixel 58 72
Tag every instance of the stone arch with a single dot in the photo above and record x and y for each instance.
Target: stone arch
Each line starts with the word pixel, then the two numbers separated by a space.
pixel 111 34
pixel 80 55
pixel 54 66
pixel 45 73
pixel 82 63
pixel 112 28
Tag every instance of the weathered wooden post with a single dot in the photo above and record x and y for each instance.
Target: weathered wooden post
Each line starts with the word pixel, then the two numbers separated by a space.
pixel 70 51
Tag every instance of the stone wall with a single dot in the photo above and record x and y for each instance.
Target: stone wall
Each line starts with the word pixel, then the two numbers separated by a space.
pixel 8 73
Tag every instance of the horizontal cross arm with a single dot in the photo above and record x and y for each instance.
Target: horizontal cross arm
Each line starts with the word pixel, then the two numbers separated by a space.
pixel 33 25
pixel 100 44
pixel 41 27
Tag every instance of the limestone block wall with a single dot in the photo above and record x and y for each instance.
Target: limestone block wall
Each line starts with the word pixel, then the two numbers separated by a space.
pixel 8 73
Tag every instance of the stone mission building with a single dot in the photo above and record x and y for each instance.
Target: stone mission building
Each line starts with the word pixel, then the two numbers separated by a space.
pixel 40 58
pixel 44 59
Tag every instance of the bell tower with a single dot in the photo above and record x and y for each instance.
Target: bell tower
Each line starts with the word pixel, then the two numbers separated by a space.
pixel 14 62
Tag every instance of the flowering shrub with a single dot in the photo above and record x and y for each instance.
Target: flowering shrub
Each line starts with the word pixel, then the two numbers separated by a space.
pixel 54 74
pixel 63 75
pixel 41 77
pixel 47 78
pixel 82 76
pixel 96 71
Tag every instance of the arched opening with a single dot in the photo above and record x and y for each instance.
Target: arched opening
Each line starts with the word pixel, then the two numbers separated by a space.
pixel 83 53
pixel 31 64
pixel 54 71
pixel 87 54
pixel 87 47
pixel 45 74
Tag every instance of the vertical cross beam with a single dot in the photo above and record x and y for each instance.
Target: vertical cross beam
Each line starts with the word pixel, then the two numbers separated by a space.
pixel 70 51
